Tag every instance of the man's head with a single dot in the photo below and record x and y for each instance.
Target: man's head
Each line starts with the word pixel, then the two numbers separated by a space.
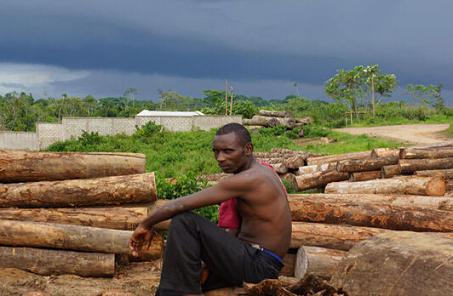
pixel 232 146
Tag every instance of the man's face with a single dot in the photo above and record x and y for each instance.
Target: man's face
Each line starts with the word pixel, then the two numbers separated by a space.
pixel 230 152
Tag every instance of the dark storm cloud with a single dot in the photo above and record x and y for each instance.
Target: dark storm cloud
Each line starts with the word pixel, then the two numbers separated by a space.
pixel 304 41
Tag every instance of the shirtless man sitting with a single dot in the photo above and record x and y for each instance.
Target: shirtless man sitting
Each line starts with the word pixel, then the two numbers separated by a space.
pixel 263 238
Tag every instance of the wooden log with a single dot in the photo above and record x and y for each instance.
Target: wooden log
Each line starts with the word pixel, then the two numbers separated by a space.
pixel 389 171
pixel 291 179
pixel 294 162
pixel 289 263
pixel 337 157
pixel 72 237
pixel 427 152
pixel 271 121
pixel 320 179
pixel 310 169
pixel 25 166
pixel 332 236
pixel 385 153
pixel 123 218
pixel 447 174
pixel 317 261
pixel 273 113
pixel 304 120
pixel 280 168
pixel 398 263
pixel 50 262
pixel 132 280
pixel 68 193
pixel 414 185
pixel 366 164
pixel 365 176
pixel 412 165
pixel 415 213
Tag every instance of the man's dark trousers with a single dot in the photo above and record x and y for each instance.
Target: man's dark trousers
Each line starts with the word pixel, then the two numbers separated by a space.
pixel 192 239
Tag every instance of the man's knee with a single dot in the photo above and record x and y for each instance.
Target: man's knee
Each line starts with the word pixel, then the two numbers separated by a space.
pixel 183 219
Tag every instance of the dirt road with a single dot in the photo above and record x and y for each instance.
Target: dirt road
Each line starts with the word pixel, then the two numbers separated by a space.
pixel 416 134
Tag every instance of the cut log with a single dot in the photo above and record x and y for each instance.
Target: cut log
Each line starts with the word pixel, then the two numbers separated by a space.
pixel 428 152
pixel 362 165
pixel 72 237
pixel 320 179
pixel 398 263
pixel 51 262
pixel 415 213
pixel 414 185
pixel 385 153
pixel 310 169
pixel 295 162
pixel 412 165
pixel 304 120
pixel 123 218
pixel 280 168
pixel 137 279
pixel 447 174
pixel 23 166
pixel 271 121
pixel 332 236
pixel 365 176
pixel 337 157
pixel 100 191
pixel 317 261
pixel 289 263
pixel 291 179
pixel 272 113
pixel 389 171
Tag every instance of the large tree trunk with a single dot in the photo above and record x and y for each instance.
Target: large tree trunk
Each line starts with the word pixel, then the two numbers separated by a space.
pixel 123 218
pixel 137 279
pixel 52 262
pixel 320 179
pixel 310 169
pixel 72 237
pixel 416 213
pixel 433 186
pixel 398 263
pixel 385 153
pixel 365 176
pixel 68 193
pixel 271 121
pixel 428 152
pixel 389 171
pixel 317 261
pixel 337 157
pixel 22 166
pixel 362 165
pixel 447 174
pixel 272 113
pixel 332 236
pixel 412 165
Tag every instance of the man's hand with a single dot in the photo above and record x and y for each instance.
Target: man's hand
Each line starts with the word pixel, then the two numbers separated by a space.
pixel 140 238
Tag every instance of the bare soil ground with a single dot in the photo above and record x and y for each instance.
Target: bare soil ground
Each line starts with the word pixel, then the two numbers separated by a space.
pixel 415 134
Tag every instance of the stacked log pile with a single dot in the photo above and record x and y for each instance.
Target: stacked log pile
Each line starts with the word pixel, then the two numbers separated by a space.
pixel 73 213
pixel 267 118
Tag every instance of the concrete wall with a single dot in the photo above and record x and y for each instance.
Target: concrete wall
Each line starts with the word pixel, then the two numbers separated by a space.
pixel 49 133
pixel 19 140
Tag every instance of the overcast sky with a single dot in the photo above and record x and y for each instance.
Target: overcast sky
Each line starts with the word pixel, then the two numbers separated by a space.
pixel 103 47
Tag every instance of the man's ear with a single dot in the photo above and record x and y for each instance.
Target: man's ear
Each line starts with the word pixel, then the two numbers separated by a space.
pixel 249 149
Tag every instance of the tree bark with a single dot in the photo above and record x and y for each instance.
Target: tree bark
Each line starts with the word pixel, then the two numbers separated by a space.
pixel 398 263
pixel 412 165
pixel 122 218
pixel 290 178
pixel 447 174
pixel 270 113
pixel 332 236
pixel 385 153
pixel 72 237
pixel 432 186
pixel 294 162
pixel 389 171
pixel 310 169
pixel 320 179
pixel 23 166
pixel 415 213
pixel 317 261
pixel 271 121
pixel 289 263
pixel 53 262
pixel 68 193
pixel 428 152
pixel 337 157
pixel 365 176
pixel 362 165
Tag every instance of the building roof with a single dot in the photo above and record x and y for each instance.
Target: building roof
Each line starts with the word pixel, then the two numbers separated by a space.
pixel 145 113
